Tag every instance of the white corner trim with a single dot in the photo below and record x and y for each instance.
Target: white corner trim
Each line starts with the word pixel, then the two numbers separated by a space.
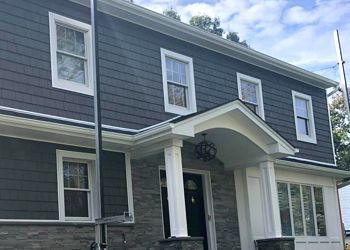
pixel 191 95
pixel 257 82
pixel 88 88
pixel 128 173
pixel 331 131
pixel 312 137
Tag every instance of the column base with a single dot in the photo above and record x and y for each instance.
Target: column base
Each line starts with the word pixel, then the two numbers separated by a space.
pixel 282 243
pixel 182 243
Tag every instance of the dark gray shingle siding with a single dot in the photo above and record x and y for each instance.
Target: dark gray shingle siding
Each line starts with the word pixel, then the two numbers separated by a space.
pixel 131 82
pixel 28 179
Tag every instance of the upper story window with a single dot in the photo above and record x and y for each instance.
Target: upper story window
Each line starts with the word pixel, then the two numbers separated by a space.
pixel 75 185
pixel 178 83
pixel 303 116
pixel 250 92
pixel 301 210
pixel 71 54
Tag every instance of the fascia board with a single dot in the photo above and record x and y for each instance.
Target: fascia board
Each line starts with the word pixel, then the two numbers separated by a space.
pixel 155 21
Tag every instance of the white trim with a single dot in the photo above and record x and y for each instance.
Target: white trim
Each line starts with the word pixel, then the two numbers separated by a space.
pixel 89 159
pixel 209 204
pixel 128 174
pixel 312 161
pixel 259 95
pixel 331 131
pixel 300 137
pixel 191 93
pixel 171 27
pixel 61 118
pixel 88 87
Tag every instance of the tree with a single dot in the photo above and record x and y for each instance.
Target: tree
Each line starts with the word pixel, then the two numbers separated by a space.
pixel 233 36
pixel 206 23
pixel 341 131
pixel 172 13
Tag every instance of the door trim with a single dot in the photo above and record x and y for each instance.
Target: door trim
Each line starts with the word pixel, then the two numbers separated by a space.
pixel 208 204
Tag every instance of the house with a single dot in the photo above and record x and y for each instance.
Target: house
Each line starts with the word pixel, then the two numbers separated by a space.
pixel 163 85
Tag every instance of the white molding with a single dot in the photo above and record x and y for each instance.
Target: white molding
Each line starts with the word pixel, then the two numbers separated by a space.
pixel 155 21
pixel 312 161
pixel 128 173
pixel 331 131
pixel 87 158
pixel 257 82
pixel 191 95
pixel 88 87
pixel 305 138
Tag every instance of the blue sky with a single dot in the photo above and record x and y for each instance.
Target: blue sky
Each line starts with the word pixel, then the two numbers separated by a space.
pixel 299 32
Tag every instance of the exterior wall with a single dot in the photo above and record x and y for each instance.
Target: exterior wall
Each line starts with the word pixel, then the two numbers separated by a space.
pixel 147 230
pixel 28 179
pixel 253 207
pixel 131 81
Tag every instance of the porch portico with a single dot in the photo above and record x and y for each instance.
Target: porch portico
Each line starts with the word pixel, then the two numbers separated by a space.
pixel 243 140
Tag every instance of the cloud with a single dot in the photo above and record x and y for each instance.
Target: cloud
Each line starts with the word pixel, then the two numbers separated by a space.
pixel 297 31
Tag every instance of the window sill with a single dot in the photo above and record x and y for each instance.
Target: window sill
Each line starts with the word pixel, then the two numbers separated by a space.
pixel 73 87
pixel 306 139
pixel 178 110
pixel 57 223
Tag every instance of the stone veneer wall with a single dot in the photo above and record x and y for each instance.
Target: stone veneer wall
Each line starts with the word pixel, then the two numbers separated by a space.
pixel 148 227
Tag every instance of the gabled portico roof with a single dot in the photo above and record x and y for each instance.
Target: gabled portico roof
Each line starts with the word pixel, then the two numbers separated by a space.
pixel 232 118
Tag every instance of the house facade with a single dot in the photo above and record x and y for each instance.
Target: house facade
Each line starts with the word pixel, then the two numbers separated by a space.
pixel 166 88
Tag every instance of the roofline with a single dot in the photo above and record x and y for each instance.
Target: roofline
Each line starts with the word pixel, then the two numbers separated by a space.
pixel 330 171
pixel 171 27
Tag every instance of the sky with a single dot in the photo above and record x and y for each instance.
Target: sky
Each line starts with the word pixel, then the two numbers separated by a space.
pixel 299 32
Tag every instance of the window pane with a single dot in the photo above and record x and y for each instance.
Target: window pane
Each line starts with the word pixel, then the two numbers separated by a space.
pixel 71 68
pixel 75 175
pixel 249 92
pixel 297 210
pixel 176 71
pixel 301 107
pixel 283 199
pixel 320 216
pixel 303 127
pixel 70 40
pixel 177 95
pixel 76 203
pixel 308 211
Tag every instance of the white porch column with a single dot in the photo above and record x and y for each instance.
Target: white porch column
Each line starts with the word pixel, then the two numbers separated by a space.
pixel 270 200
pixel 175 186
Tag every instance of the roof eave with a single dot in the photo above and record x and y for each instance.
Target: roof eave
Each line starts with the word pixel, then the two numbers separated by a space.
pixel 169 26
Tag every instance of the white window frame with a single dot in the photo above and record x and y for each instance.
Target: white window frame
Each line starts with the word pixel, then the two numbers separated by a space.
pixel 88 87
pixel 191 95
pixel 78 157
pixel 300 137
pixel 302 207
pixel 257 82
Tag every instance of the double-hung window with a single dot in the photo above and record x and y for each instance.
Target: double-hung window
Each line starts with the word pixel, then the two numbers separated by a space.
pixel 250 92
pixel 71 54
pixel 75 185
pixel 178 83
pixel 301 210
pixel 303 116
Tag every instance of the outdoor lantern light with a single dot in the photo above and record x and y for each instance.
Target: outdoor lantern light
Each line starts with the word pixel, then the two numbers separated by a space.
pixel 205 150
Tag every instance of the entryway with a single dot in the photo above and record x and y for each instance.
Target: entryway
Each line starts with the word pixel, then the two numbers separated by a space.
pixel 197 210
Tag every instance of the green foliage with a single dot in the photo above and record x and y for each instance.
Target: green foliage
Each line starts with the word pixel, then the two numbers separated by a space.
pixel 341 131
pixel 172 13
pixel 206 23
pixel 233 36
